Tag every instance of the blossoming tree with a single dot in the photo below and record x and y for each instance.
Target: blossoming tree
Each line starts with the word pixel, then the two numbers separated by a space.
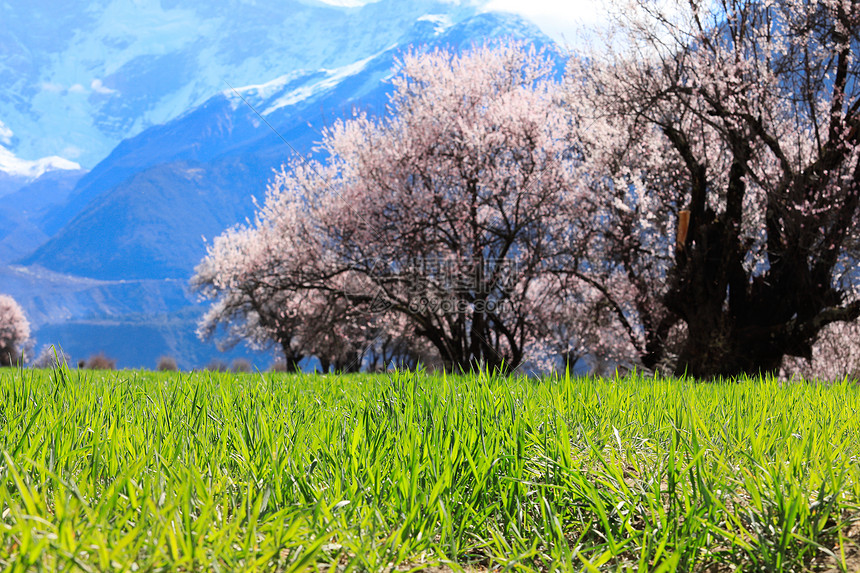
pixel 14 331
pixel 720 143
pixel 450 212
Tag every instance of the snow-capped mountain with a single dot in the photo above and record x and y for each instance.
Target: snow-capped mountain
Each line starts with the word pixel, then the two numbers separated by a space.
pixel 117 248
pixel 16 172
pixel 79 76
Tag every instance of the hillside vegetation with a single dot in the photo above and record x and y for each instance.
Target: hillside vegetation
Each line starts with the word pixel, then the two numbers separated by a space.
pixel 129 471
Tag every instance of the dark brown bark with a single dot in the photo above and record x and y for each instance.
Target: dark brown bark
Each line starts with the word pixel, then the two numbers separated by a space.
pixel 742 321
pixel 291 358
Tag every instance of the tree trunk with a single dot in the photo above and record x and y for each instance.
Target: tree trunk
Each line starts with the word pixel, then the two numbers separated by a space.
pixel 739 325
pixel 325 364
pixel 291 358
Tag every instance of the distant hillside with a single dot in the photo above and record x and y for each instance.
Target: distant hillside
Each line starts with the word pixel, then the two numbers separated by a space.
pixel 24 207
pixel 142 211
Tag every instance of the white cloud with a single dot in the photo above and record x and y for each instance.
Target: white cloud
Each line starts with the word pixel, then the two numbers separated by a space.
pixel 347 3
pixel 52 87
pixel 5 134
pixel 98 87
pixel 77 89
pixel 72 151
pixel 562 20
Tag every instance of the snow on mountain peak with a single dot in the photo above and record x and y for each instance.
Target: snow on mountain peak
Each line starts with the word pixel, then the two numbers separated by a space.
pixel 268 89
pixel 13 165
pixel 297 86
pixel 333 77
pixel 442 21
pixel 10 164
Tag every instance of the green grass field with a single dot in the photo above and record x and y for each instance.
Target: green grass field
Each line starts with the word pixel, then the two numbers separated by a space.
pixel 131 471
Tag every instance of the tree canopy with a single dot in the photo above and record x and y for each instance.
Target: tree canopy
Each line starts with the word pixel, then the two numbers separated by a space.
pixel 14 331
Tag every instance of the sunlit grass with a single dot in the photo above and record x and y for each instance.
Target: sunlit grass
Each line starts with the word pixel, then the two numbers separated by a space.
pixel 127 471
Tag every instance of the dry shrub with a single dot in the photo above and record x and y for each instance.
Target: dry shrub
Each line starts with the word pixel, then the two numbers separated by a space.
pixel 216 365
pixel 167 364
pixel 241 365
pixel 100 362
pixel 51 357
pixel 835 355
pixel 279 365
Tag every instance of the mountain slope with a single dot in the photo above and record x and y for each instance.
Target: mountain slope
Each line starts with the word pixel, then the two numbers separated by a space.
pixel 25 205
pixel 129 217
